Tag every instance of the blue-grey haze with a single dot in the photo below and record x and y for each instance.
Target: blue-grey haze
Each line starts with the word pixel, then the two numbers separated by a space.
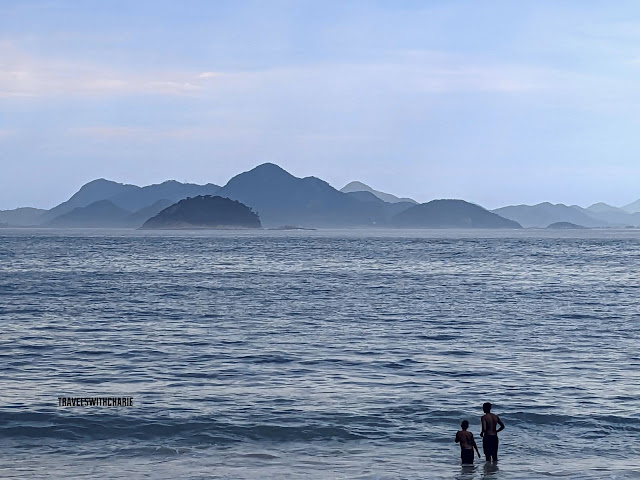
pixel 283 199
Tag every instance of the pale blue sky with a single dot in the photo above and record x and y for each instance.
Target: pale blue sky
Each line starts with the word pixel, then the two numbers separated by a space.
pixel 493 102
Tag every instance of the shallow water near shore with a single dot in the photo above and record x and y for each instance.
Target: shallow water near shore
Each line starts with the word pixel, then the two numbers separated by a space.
pixel 319 354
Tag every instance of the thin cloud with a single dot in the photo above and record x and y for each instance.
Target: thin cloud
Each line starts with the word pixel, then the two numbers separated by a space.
pixel 167 86
pixel 208 75
pixel 109 132
pixel 23 75
pixel 146 134
pixel 400 73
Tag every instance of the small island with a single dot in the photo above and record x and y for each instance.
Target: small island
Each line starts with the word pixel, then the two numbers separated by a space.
pixel 565 226
pixel 204 211
pixel 290 227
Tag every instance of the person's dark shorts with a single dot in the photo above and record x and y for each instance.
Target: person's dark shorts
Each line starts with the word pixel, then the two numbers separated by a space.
pixel 466 454
pixel 490 445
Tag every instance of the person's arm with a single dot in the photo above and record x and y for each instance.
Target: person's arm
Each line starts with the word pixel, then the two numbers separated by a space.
pixel 499 423
pixel 484 426
pixel 457 437
pixel 473 442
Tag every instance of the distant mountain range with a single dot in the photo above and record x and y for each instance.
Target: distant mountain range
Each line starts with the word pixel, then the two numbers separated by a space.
pixel 129 198
pixel 544 214
pixel 280 198
pixel 104 203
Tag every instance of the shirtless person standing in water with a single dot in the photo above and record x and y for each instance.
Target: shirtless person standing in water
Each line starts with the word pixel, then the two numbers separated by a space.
pixel 489 433
pixel 467 443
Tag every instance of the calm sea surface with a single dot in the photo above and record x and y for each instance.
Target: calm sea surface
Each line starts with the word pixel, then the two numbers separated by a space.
pixel 321 354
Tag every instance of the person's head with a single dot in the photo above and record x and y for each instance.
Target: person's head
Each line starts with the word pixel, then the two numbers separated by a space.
pixel 486 407
pixel 464 424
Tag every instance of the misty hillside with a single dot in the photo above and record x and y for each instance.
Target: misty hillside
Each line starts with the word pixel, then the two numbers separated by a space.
pixel 565 226
pixel 633 207
pixel 612 215
pixel 21 217
pixel 105 214
pixel 544 214
pixel 170 190
pixel 89 193
pixel 137 218
pixel 102 213
pixel 450 214
pixel 356 186
pixel 365 197
pixel 602 207
pixel 136 204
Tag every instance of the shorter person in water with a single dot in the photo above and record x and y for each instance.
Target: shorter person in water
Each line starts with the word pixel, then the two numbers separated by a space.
pixel 489 433
pixel 467 443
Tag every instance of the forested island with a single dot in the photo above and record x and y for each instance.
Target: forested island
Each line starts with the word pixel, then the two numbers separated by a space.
pixel 204 211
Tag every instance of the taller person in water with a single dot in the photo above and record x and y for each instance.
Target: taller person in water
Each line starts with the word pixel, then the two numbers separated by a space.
pixel 489 433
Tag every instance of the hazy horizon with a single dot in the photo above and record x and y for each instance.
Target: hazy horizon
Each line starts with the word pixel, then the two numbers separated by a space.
pixel 495 103
pixel 337 187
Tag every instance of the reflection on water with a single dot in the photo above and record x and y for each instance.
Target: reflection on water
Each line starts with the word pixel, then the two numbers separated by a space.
pixel 481 469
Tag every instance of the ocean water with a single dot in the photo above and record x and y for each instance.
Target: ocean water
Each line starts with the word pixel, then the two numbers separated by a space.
pixel 326 354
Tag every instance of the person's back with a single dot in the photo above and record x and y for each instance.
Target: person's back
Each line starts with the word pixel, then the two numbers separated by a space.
pixel 490 423
pixel 467 443
pixel 489 433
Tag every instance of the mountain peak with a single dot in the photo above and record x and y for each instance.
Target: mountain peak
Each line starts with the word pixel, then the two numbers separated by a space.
pixel 604 207
pixel 357 186
pixel 269 169
pixel 266 174
pixel 281 198
pixel 102 183
pixel 99 189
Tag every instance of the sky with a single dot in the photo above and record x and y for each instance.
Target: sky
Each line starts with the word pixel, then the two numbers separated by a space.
pixel 495 102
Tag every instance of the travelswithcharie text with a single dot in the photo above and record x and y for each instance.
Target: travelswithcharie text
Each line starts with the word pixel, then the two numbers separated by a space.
pixel 95 401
